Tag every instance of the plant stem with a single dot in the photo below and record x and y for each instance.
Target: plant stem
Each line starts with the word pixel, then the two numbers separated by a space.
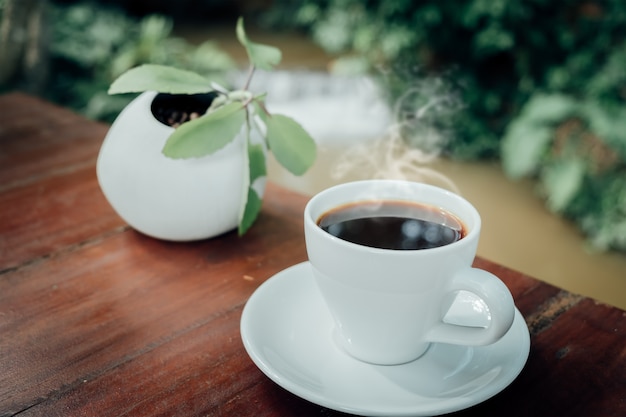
pixel 249 79
pixel 242 95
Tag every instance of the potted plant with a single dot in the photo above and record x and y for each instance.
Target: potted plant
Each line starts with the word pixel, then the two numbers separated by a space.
pixel 186 159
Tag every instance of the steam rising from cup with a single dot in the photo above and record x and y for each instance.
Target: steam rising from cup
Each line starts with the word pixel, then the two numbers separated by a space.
pixel 420 131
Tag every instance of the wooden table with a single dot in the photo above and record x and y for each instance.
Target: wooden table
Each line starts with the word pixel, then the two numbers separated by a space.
pixel 99 320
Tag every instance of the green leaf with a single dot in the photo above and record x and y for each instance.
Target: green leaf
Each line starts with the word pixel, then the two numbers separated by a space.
pixel 549 108
pixel 257 169
pixel 150 77
pixel 290 143
pixel 256 159
pixel 251 212
pixel 523 147
pixel 261 56
pixel 207 134
pixel 259 109
pixel 562 181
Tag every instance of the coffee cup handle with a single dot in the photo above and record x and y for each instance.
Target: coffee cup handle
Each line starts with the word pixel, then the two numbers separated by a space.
pixel 494 294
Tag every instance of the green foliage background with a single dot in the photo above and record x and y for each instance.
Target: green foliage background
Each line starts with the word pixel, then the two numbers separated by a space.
pixel 92 44
pixel 542 82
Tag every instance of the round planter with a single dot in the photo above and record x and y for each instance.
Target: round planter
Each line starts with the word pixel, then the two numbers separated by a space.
pixel 172 199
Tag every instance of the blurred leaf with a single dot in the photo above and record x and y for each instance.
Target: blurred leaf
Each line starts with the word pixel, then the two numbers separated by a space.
pixel 527 137
pixel 264 57
pixel 395 40
pixel 608 124
pixel 156 28
pixel 334 33
pixel 308 13
pixel 562 181
pixel 86 35
pixel 523 147
pixel 209 57
pixel 548 108
pixel 493 40
pixel 290 143
pixel 207 134
pixel 150 77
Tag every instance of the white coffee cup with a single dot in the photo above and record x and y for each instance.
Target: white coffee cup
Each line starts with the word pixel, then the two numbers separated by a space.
pixel 388 305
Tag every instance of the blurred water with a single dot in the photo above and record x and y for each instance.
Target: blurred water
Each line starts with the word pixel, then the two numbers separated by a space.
pixel 334 109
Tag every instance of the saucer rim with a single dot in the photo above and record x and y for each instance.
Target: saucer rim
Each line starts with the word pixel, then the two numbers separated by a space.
pixel 300 391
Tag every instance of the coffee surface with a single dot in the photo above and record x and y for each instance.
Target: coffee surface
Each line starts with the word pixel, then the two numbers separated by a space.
pixel 397 225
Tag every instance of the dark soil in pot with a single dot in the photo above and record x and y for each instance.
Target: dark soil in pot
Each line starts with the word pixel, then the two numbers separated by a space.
pixel 176 109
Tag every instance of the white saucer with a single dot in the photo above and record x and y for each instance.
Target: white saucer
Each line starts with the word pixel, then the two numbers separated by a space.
pixel 287 331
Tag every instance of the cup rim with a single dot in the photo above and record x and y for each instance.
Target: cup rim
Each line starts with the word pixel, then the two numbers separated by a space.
pixel 312 226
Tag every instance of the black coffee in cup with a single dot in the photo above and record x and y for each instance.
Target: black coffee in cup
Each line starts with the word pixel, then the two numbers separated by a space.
pixel 398 225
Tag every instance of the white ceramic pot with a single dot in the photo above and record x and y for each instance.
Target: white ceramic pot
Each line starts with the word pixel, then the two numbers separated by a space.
pixel 180 200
